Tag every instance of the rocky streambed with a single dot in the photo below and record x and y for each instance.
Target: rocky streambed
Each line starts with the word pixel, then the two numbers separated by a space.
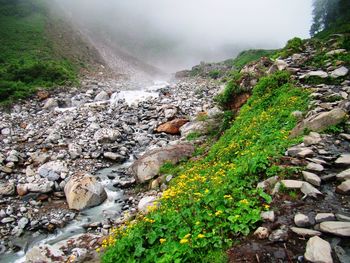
pixel 65 157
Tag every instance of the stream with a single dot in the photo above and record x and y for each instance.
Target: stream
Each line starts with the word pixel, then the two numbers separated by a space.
pixel 110 208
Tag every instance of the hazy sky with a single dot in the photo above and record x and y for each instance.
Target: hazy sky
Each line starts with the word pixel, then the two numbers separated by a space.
pixel 180 33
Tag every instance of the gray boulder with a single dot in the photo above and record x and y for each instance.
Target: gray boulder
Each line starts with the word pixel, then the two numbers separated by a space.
pixel 318 251
pixel 106 135
pixel 320 122
pixel 53 170
pixel 84 192
pixel 147 167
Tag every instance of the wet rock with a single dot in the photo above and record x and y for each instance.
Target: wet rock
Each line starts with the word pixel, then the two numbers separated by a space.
pixel 308 190
pixel 7 220
pixel 172 127
pixel 146 202
pixel 268 216
pixel 339 72
pixel 279 235
pixel 344 188
pixel 315 167
pixel 7 188
pixel 312 139
pixel 106 135
pixel 343 160
pixel 200 127
pixel 320 121
pixel 312 178
pixel 102 96
pixel 147 167
pixel 342 256
pixel 341 217
pixel 45 253
pixel 262 233
pixel 318 73
pixel 23 222
pixel 50 104
pixel 302 220
pixel 305 232
pixel 341 229
pixel 74 150
pixel 292 184
pixel 84 192
pixel 318 251
pixel 323 217
pixel 53 170
pixel 114 156
pixel 306 153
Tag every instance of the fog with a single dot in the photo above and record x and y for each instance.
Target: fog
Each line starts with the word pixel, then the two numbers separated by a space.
pixel 176 34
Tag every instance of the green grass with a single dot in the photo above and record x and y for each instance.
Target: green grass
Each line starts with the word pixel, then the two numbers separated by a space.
pixel 213 201
pixel 27 59
pixel 248 56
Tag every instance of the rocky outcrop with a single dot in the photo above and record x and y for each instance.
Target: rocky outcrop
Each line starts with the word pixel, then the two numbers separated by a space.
pixel 147 167
pixel 84 192
pixel 200 127
pixel 320 122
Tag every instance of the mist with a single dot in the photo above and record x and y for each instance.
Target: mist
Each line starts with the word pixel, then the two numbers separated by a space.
pixel 174 35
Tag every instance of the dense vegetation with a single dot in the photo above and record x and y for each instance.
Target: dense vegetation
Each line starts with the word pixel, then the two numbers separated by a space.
pixel 248 56
pixel 329 14
pixel 27 59
pixel 214 200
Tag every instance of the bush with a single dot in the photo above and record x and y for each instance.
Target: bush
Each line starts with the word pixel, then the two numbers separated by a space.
pixel 214 74
pixel 232 89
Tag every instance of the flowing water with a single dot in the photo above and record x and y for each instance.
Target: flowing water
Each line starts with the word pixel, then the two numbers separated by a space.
pixel 108 176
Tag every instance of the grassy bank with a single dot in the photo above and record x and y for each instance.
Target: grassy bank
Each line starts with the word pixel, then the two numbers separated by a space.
pixel 213 201
pixel 27 59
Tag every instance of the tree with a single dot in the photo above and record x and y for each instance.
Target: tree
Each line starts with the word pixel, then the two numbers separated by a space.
pixel 328 13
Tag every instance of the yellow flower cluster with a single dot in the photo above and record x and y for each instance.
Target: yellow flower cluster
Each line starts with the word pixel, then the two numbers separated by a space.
pixel 244 201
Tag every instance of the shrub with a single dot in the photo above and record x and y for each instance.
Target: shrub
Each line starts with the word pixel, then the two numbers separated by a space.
pixel 215 74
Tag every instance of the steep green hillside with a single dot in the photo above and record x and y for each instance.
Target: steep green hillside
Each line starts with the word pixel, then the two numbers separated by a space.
pixel 27 58
pixel 213 200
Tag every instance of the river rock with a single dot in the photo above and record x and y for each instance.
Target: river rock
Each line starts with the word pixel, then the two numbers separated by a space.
pixel 323 217
pixel 320 122
pixel 336 228
pixel 343 160
pixel 315 167
pixel 305 232
pixel 114 156
pixel 74 150
pixel 344 187
pixel 268 216
pixel 339 72
pixel 106 135
pixel 292 184
pixel 147 167
pixel 7 188
pixel 84 192
pixel 318 73
pixel 318 251
pixel 200 127
pixel 261 233
pixel 308 190
pixel 145 202
pixel 312 178
pixel 172 127
pixel 45 253
pixel 302 220
pixel 312 138
pixel 53 170
pixel 50 104
pixel 102 96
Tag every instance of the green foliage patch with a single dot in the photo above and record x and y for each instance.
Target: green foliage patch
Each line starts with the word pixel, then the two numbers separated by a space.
pixel 213 200
pixel 249 56
pixel 27 59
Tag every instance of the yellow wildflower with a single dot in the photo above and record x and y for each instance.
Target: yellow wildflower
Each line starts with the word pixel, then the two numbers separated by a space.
pixel 201 236
pixel 244 201
pixel 162 240
pixel 266 206
pixel 219 212
pixel 184 241
pixel 198 223
pixel 187 236
pixel 228 197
